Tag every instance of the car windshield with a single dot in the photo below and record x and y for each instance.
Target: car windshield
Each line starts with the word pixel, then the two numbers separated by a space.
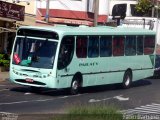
pixel 31 52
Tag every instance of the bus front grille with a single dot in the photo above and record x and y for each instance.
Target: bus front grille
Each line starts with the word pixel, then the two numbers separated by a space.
pixel 34 82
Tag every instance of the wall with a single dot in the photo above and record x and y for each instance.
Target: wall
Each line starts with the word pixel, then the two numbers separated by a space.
pixel 72 11
pixel 29 9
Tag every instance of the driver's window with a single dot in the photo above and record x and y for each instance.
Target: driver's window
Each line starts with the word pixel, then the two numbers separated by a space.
pixel 66 52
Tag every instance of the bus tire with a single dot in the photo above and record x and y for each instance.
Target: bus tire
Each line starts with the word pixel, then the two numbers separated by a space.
pixel 127 79
pixel 75 86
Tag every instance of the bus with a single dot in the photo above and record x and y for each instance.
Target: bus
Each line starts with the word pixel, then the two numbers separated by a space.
pixel 76 57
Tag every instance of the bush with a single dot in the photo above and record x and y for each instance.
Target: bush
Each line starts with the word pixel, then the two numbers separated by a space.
pixel 92 112
pixel 4 60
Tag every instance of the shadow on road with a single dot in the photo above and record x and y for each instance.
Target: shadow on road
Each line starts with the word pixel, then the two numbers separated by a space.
pixel 141 83
pixel 63 92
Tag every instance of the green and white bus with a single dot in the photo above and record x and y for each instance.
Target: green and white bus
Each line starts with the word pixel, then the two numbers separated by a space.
pixel 75 57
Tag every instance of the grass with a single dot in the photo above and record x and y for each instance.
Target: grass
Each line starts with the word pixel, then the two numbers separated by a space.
pixel 91 112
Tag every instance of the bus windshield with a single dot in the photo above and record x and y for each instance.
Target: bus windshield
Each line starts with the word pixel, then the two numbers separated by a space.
pixel 33 52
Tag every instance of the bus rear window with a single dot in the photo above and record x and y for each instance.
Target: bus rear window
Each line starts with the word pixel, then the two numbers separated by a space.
pixel 38 33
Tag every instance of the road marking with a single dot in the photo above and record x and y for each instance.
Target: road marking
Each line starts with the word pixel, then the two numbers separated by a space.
pixel 64 97
pixel 4 89
pixel 119 97
pixel 40 100
pixel 147 109
pixel 28 93
pixel 3 85
pixel 99 100
pixel 9 116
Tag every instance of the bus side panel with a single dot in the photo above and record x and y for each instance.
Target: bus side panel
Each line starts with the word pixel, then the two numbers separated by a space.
pixel 107 70
pixel 140 74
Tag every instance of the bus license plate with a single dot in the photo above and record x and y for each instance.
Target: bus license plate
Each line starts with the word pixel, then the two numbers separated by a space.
pixel 29 80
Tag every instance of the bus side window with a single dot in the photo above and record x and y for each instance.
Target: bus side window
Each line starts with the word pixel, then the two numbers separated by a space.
pixel 93 46
pixel 130 45
pixel 81 46
pixel 139 45
pixel 149 44
pixel 118 46
pixel 106 46
pixel 66 52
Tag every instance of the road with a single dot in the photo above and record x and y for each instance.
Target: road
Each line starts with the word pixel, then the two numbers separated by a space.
pixel 21 100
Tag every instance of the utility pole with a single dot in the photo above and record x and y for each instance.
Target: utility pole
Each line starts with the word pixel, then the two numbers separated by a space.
pixel 153 8
pixel 47 11
pixel 157 6
pixel 96 11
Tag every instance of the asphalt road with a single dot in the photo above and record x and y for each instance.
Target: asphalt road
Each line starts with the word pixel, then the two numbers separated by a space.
pixel 21 100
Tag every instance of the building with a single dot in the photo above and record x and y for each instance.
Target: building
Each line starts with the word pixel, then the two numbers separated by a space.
pixel 71 12
pixel 13 14
pixel 132 19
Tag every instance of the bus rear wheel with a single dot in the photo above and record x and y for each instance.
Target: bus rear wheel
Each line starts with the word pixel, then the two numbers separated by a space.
pixel 75 86
pixel 127 79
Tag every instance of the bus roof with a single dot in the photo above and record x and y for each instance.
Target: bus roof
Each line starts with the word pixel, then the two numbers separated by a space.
pixel 85 30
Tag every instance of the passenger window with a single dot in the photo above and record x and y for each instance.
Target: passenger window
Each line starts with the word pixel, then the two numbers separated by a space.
pixel 130 45
pixel 139 45
pixel 149 44
pixel 66 52
pixel 93 46
pixel 106 46
pixel 118 45
pixel 81 46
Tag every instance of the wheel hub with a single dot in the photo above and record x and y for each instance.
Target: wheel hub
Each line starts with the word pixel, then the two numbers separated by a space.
pixel 75 85
pixel 127 81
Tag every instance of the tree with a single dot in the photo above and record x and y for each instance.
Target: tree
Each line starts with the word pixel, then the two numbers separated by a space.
pixel 144 7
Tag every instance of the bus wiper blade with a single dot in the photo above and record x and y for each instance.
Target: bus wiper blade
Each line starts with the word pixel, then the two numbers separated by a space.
pixel 30 70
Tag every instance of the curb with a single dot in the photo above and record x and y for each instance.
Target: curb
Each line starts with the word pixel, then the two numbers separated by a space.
pixel 3 79
pixel 4 76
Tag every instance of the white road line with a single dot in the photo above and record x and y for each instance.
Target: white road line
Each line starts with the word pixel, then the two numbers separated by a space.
pixel 41 100
pixel 151 109
pixel 28 93
pixel 147 109
pixel 152 105
pixel 4 113
pixel 4 89
pixel 143 111
pixel 98 100
pixel 119 97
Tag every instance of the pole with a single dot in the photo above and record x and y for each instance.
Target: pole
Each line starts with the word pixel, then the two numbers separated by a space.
pixel 157 4
pixel 153 9
pixel 157 24
pixel 96 11
pixel 47 11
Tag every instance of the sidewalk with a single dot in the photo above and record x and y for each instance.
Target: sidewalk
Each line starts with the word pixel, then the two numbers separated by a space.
pixel 4 76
